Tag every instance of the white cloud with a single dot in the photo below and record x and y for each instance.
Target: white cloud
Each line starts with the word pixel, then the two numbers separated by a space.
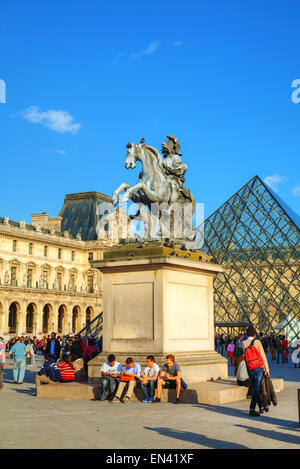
pixel 118 57
pixel 273 181
pixel 176 43
pixel 58 152
pixel 150 49
pixel 296 191
pixel 59 121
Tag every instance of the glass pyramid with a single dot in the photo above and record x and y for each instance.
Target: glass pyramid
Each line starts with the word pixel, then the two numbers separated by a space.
pixel 255 236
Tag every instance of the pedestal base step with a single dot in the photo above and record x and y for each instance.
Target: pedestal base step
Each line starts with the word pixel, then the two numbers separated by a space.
pixel 216 392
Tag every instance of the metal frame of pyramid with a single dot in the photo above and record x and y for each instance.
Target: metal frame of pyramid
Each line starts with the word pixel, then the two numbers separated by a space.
pixel 255 236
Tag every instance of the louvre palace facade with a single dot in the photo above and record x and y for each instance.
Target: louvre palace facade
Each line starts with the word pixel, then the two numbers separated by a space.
pixel 47 282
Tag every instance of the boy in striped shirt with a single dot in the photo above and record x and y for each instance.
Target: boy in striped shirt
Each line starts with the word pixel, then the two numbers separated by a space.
pixel 66 369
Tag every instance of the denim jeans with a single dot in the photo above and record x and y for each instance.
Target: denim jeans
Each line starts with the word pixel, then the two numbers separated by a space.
pixel 149 389
pixel 255 377
pixel 280 353
pixel 19 370
pixel 104 388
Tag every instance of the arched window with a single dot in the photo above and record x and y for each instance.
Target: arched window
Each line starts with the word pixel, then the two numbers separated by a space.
pixel 12 318
pixel 61 318
pixel 88 315
pixel 29 318
pixel 46 317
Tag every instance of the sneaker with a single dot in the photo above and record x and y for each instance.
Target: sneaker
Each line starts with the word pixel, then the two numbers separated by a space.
pixel 146 399
pixel 115 399
pixel 253 413
pixel 126 400
pixel 178 400
pixel 150 399
pixel 157 399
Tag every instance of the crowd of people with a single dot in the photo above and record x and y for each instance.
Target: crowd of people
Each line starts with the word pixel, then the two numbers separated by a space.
pixel 65 357
pixel 277 346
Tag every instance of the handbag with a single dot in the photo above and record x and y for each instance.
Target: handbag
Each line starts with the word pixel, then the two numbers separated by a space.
pixel 126 378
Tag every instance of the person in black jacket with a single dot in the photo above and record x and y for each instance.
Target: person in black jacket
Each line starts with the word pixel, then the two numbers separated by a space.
pixel 53 348
pixel 76 348
pixel 49 373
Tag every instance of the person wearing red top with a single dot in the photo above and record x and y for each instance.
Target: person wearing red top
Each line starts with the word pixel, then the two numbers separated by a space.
pixel 285 348
pixel 66 369
pixel 89 353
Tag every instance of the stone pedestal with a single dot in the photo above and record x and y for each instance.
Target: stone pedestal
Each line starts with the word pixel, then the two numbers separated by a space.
pixel 159 300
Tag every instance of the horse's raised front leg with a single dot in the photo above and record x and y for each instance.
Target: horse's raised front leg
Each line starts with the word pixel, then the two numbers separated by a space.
pixel 140 186
pixel 116 194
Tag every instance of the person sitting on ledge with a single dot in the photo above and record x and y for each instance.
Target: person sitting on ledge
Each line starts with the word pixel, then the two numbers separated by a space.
pixel 129 379
pixel 79 371
pixel 149 379
pixel 170 378
pixel 111 372
pixel 66 370
pixel 49 373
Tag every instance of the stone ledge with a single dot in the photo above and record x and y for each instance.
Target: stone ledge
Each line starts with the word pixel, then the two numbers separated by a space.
pixel 216 392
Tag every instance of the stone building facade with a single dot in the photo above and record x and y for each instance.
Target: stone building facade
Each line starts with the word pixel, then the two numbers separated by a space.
pixel 47 282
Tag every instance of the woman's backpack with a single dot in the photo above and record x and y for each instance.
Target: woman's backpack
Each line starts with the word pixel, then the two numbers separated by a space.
pixel 253 357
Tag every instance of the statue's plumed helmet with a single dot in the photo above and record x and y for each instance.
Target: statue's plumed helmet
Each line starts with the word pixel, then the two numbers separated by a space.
pixel 176 146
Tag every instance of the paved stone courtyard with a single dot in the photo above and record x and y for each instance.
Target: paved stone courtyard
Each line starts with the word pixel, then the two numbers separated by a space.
pixel 29 422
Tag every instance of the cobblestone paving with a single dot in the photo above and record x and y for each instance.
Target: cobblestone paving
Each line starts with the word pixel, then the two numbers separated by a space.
pixel 29 422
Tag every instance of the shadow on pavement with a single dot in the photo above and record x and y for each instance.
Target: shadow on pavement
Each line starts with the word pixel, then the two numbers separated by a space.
pixel 29 392
pixel 196 438
pixel 280 436
pixel 244 414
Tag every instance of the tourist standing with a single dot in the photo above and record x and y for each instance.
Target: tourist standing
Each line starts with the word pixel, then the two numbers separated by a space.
pixel 29 353
pixel 285 345
pixel 53 347
pixel 230 351
pixel 2 361
pixel 18 353
pixel 257 365
pixel 75 349
pixel 273 347
pixel 279 349
pixel 222 344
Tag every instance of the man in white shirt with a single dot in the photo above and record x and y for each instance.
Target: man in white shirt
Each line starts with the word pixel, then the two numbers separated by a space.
pixel 149 379
pixel 111 371
pixel 133 373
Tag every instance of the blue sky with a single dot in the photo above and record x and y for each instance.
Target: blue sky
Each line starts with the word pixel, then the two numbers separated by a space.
pixel 85 77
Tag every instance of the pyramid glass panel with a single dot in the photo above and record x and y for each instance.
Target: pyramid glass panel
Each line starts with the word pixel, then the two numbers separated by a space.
pixel 255 236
